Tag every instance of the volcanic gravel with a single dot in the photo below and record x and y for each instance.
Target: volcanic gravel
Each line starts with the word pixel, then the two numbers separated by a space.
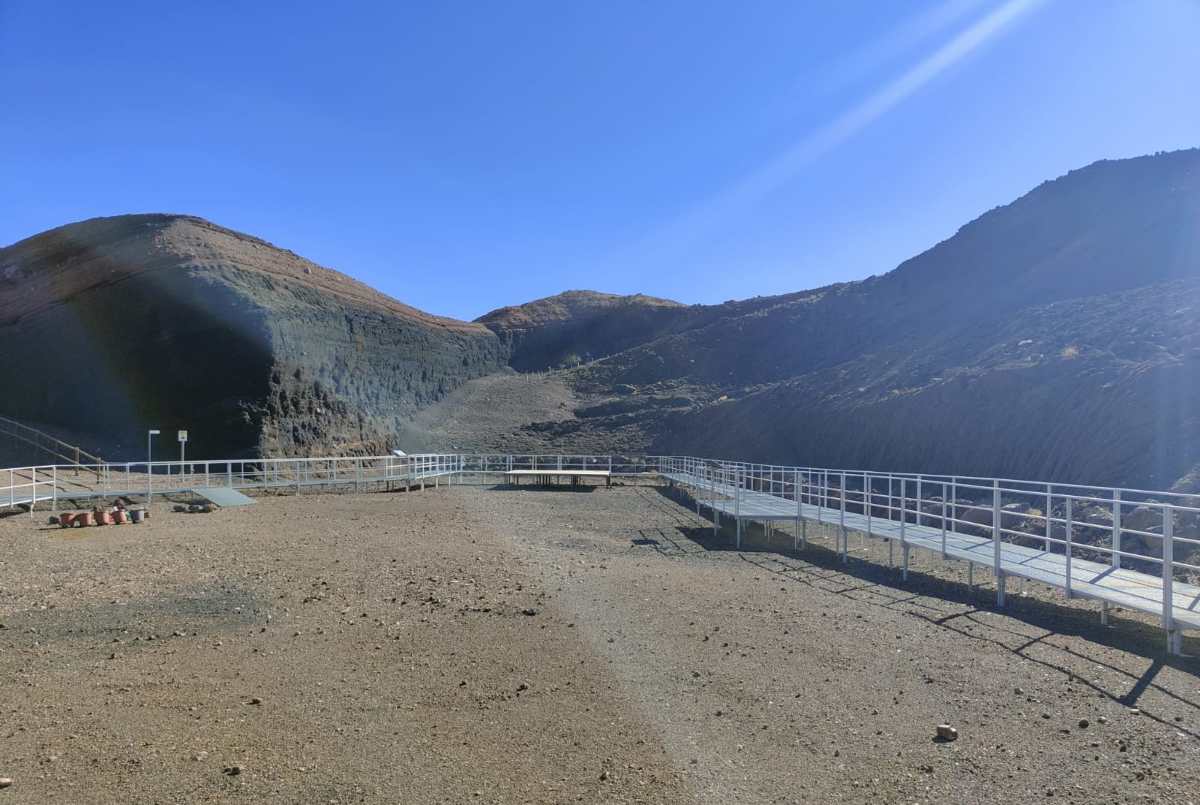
pixel 474 644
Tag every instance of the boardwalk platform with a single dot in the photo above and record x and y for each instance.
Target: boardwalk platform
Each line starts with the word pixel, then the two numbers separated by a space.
pixel 547 477
pixel 1102 582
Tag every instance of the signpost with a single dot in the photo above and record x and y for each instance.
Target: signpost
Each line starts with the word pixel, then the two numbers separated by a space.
pixel 182 448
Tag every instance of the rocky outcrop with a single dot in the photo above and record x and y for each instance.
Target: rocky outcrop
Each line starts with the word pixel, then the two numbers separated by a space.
pixel 580 326
pixel 114 325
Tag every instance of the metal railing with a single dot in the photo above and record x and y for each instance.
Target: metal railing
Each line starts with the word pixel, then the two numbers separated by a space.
pixel 1133 528
pixel 46 443
pixel 1136 528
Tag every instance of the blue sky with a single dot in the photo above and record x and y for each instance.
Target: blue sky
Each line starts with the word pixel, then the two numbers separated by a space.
pixel 465 155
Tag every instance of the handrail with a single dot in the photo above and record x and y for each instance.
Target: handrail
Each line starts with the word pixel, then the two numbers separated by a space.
pixel 1052 516
pixel 74 453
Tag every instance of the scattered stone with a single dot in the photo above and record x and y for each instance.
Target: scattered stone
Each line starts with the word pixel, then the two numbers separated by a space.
pixel 1133 711
pixel 1103 719
pixel 529 611
pixel 946 732
pixel 1084 723
pixel 5 782
pixel 522 687
pixel 232 771
pixel 255 700
pixel 604 774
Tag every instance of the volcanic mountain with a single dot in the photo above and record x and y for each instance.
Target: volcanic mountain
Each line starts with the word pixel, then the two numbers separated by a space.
pixel 114 325
pixel 1056 337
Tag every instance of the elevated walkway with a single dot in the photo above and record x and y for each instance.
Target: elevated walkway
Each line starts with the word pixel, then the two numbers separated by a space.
pixel 1110 585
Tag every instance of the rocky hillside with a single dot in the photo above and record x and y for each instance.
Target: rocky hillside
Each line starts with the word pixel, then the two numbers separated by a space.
pixel 575 327
pixel 115 325
pixel 1057 337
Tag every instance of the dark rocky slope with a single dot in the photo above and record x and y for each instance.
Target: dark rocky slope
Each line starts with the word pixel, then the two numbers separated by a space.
pixel 1056 337
pixel 579 326
pixel 114 325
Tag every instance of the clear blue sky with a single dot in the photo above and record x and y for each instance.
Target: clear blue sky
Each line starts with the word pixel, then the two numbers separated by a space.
pixel 465 155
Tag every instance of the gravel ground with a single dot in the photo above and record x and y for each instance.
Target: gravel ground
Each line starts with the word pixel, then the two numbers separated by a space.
pixel 495 645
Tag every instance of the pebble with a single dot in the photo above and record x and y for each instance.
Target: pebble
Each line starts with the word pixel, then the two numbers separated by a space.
pixel 522 687
pixel 529 612
pixel 946 732
pixel 256 700
pixel 1084 723
pixel 5 782
pixel 232 771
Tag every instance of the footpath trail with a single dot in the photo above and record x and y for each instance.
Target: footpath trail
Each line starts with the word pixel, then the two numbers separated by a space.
pixel 495 645
pixel 777 678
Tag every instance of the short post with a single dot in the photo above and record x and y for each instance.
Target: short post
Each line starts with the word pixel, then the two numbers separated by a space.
pixel 54 486
pixel 996 569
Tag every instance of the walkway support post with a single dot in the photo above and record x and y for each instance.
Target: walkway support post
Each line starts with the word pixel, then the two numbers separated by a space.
pixel 999 574
pixel 1174 638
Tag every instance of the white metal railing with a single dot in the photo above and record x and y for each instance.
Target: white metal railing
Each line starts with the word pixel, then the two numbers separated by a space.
pixel 1076 521
pixel 1107 524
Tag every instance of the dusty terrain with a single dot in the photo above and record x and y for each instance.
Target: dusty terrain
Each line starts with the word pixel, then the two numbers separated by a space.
pixel 479 645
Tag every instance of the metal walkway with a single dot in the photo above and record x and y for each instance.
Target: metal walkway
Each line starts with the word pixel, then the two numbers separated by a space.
pixel 1117 546
pixel 908 527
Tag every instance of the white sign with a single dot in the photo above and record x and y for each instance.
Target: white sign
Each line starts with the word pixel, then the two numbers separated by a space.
pixel 182 436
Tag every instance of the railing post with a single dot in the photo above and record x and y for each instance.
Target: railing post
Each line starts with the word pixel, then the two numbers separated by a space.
pixel 1068 540
pixel 1168 578
pixel 737 504
pixel 996 569
pixel 944 496
pixel 1049 507
pixel 1116 534
pixel 903 523
pixel 842 517
pixel 54 486
pixel 799 507
pixel 869 503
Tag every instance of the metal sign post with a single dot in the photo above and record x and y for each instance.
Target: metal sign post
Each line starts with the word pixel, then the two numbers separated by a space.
pixel 183 437
pixel 150 434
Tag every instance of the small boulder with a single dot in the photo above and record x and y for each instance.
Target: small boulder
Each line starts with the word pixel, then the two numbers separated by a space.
pixel 947 733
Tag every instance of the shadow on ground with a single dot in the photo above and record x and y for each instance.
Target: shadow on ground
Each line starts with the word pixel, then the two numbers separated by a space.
pixel 1027 626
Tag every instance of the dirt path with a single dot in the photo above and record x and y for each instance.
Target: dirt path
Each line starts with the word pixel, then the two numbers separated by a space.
pixel 386 641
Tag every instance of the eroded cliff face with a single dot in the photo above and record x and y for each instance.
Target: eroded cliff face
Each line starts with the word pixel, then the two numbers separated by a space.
pixel 120 324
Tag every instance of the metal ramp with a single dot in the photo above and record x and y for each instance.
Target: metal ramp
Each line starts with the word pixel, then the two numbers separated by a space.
pixel 223 496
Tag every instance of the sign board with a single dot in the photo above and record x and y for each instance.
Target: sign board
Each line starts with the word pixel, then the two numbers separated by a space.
pixel 182 436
